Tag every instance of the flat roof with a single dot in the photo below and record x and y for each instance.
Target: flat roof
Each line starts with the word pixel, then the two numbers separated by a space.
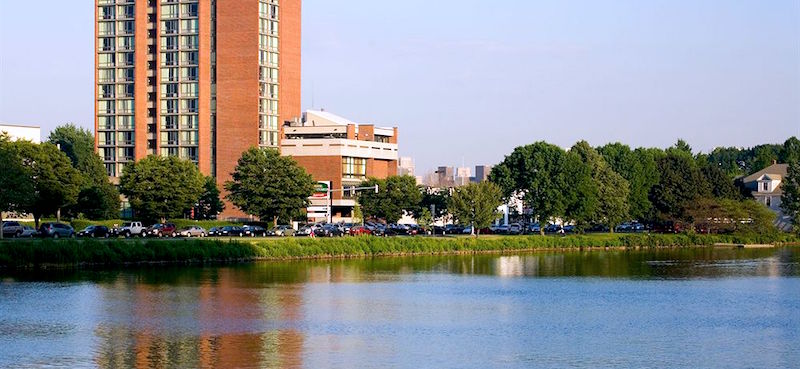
pixel 17 125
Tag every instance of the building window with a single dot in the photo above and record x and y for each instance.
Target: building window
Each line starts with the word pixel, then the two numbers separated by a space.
pixel 354 168
pixel 765 186
pixel 769 201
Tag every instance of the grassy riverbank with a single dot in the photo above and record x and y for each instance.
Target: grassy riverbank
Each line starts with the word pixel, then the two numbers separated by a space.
pixel 67 253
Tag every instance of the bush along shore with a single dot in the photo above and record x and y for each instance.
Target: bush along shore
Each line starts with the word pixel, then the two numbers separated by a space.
pixel 118 252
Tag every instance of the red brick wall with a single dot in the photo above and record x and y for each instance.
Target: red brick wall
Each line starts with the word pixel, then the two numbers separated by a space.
pixel 204 101
pixel 289 48
pixel 237 87
pixel 141 87
pixel 323 168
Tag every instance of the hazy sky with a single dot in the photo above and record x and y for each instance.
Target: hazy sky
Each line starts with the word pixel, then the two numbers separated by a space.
pixel 469 80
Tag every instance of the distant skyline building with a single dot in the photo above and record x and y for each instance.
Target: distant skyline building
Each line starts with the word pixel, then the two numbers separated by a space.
pixel 482 173
pixel 202 80
pixel 463 175
pixel 405 166
pixel 445 177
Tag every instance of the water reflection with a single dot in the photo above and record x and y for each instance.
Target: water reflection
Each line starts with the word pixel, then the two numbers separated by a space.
pixel 214 320
pixel 377 312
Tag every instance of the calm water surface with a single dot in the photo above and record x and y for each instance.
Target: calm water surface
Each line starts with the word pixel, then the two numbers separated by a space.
pixel 701 308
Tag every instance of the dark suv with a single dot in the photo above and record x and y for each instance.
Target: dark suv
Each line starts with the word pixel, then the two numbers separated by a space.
pixel 95 231
pixel 12 229
pixel 56 230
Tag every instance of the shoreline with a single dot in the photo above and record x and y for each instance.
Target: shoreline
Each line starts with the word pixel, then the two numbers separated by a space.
pixel 90 253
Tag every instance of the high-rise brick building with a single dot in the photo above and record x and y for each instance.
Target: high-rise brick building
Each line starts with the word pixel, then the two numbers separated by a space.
pixel 203 80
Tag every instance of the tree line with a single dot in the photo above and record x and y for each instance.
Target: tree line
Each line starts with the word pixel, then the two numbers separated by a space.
pixel 600 187
pixel 587 186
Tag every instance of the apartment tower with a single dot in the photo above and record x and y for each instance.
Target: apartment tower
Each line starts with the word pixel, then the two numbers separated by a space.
pixel 202 80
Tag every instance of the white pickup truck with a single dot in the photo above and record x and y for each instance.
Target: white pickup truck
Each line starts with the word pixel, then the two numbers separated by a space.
pixel 130 229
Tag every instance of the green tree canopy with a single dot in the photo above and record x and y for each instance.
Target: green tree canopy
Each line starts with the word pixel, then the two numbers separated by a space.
pixel 270 186
pixel 16 181
pixel 209 205
pixel 436 198
pixel 476 204
pixel 582 167
pixel 56 183
pixel 680 184
pixel 397 195
pixel 790 200
pixel 721 215
pixel 159 187
pixel 720 184
pixel 609 194
pixel 638 167
pixel 537 174
pixel 98 198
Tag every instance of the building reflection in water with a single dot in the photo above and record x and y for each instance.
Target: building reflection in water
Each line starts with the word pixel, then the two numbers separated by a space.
pixel 221 320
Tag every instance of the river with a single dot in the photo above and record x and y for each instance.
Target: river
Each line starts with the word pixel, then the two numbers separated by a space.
pixel 689 308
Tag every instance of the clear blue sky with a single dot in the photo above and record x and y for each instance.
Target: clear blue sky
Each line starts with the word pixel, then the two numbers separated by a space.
pixel 468 80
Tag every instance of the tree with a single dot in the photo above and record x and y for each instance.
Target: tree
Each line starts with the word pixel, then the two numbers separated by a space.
pixel 680 148
pixel 397 195
pixel 790 150
pixel 680 184
pixel 209 205
pixel 719 215
pixel 790 200
pixel 98 198
pixel 535 173
pixel 270 186
pixel 720 184
pixel 16 182
pixel 358 215
pixel 98 202
pixel 583 164
pixel 608 198
pixel 56 184
pixel 424 218
pixel 161 187
pixel 638 167
pixel 476 204
pixel 436 199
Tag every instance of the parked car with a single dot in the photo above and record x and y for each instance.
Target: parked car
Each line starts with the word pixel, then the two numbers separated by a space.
pixel 56 230
pixel 453 229
pixel 399 229
pixel 212 232
pixel 329 230
pixel 515 228
pixel 305 231
pixel 414 229
pixel 553 228
pixel 95 231
pixel 535 228
pixel 254 231
pixel 230 231
pixel 346 227
pixel 360 231
pixel 192 231
pixel 380 230
pixel 569 229
pixel 130 229
pixel 12 229
pixel 28 232
pixel 162 230
pixel 281 231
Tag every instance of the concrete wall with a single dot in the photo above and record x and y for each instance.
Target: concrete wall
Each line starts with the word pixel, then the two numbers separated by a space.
pixel 25 133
